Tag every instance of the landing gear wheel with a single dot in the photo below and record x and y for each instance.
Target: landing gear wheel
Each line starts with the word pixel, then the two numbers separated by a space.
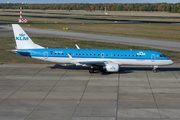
pixel 154 70
pixel 103 70
pixel 91 70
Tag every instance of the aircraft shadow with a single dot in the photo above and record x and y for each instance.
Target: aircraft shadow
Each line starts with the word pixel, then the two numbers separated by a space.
pixel 122 70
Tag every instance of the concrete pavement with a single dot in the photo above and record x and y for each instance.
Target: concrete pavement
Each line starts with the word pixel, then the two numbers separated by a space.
pixel 47 91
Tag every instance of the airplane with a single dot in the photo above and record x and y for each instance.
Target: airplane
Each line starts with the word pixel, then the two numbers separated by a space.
pixel 107 60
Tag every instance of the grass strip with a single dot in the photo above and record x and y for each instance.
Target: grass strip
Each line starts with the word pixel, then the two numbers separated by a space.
pixel 53 42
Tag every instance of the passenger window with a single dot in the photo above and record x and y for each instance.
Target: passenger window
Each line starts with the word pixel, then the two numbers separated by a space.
pixel 106 54
pixel 98 54
pixel 133 55
pixel 90 54
pixel 73 53
pixel 58 53
pixel 114 54
pixel 121 55
pixel 66 53
pixel 62 53
pixel 94 54
pixel 86 54
pixel 140 55
pixel 69 53
pixel 129 55
pixel 83 53
pixel 76 54
pixel 55 53
pixel 79 53
pixel 110 54
pixel 118 54
pixel 125 55
pixel 136 55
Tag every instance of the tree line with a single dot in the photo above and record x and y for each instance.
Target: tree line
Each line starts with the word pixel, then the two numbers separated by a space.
pixel 166 7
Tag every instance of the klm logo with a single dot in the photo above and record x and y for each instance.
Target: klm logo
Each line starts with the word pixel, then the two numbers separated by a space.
pixel 112 68
pixel 21 37
pixel 141 53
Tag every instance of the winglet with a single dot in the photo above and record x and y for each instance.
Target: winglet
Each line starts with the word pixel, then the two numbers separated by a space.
pixel 70 57
pixel 73 61
pixel 77 46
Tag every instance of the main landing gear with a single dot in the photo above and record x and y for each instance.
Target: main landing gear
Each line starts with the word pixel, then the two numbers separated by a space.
pixel 91 70
pixel 154 68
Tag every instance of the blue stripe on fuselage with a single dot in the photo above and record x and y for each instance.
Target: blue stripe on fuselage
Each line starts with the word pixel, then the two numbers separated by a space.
pixel 96 53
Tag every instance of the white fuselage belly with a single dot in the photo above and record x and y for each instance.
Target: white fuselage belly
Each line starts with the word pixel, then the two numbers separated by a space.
pixel 65 60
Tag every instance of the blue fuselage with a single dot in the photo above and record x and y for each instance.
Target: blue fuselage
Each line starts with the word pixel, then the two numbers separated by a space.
pixel 125 56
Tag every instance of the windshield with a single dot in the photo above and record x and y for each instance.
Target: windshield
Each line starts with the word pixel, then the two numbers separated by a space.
pixel 162 55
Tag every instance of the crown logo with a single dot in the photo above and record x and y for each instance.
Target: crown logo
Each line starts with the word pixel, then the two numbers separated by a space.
pixel 21 34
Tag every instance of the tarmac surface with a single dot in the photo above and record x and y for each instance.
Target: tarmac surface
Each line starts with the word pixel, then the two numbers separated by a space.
pixel 47 91
pixel 167 45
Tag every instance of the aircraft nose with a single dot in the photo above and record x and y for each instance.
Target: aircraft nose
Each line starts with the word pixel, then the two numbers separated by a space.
pixel 170 62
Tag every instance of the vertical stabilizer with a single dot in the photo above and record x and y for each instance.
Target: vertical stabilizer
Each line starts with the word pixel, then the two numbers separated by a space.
pixel 23 41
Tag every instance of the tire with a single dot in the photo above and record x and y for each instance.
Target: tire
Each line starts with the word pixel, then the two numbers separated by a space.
pixel 91 71
pixel 154 70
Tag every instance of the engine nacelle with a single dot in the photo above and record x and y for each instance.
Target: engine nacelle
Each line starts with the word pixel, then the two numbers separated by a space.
pixel 113 67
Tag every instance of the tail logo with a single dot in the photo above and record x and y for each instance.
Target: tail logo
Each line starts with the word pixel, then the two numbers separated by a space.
pixel 22 37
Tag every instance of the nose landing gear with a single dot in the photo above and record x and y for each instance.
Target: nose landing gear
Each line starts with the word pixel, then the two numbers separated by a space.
pixel 154 68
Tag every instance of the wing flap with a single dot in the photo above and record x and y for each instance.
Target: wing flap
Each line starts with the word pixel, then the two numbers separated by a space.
pixel 97 62
pixel 93 62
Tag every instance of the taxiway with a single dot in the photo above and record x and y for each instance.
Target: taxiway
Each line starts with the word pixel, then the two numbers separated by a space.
pixel 47 91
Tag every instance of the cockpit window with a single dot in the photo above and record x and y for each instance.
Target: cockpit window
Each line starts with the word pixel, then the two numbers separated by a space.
pixel 162 55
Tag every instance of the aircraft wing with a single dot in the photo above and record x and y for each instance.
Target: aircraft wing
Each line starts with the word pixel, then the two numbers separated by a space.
pixel 109 66
pixel 93 62
pixel 89 62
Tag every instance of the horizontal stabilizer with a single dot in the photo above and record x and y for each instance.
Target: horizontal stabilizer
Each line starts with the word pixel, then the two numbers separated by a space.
pixel 15 50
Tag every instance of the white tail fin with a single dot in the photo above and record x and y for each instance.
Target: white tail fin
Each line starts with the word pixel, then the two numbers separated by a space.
pixel 23 41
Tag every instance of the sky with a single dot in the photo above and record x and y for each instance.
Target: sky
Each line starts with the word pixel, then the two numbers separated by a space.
pixel 90 1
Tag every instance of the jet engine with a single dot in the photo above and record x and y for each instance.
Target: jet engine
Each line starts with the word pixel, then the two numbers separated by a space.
pixel 113 67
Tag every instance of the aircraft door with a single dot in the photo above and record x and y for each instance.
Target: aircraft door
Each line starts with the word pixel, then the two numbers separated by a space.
pixel 153 57
pixel 46 55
